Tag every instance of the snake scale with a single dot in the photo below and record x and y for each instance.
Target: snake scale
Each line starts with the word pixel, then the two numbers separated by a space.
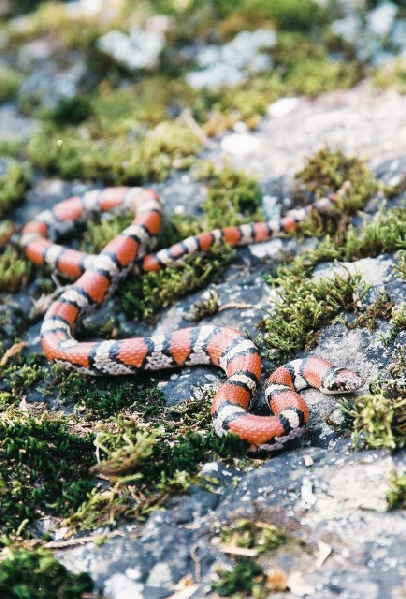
pixel 97 277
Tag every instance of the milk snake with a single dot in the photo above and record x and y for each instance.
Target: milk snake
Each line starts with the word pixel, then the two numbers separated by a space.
pixel 96 279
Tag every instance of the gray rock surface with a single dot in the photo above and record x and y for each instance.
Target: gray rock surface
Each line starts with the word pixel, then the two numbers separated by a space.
pixel 231 63
pixel 339 500
pixel 136 51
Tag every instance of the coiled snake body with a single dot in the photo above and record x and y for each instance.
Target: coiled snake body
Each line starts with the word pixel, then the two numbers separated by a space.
pixel 97 277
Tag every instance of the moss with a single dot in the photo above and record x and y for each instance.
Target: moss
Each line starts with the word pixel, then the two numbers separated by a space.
pixel 331 173
pixel 208 305
pixel 43 467
pixel 146 464
pixel 287 14
pixel 303 306
pixel 38 575
pixel 233 197
pixel 381 309
pixel 398 319
pixel 386 232
pixel 13 185
pixel 51 18
pixel 306 68
pixel 377 420
pixel 9 83
pixel 392 75
pixel 114 111
pixel 99 233
pixel 396 494
pixel 329 170
pixel 70 110
pixel 243 577
pixel 14 271
pixel 264 538
pixel 246 574
pixel 144 450
pixel 109 397
pixel 171 145
pixel 12 148
pixel 145 296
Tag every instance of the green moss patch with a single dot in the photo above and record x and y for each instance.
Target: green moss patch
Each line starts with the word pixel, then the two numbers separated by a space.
pixel 264 538
pixel 119 430
pixel 145 296
pixel 381 309
pixel 146 463
pixel 13 185
pixel 396 495
pixel 330 173
pixel 10 81
pixel 386 232
pixel 43 467
pixel 392 75
pixel 14 271
pixel 67 153
pixel 303 306
pixel 233 197
pixel 246 576
pixel 377 420
pixel 38 575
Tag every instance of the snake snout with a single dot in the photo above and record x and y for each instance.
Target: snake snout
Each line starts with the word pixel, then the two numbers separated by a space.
pixel 341 380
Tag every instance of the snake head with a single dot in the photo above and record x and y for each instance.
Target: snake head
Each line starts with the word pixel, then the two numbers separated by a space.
pixel 341 380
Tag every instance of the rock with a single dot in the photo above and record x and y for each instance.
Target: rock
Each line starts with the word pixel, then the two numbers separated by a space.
pixel 5 8
pixel 380 21
pixel 370 38
pixel 239 144
pixel 231 63
pixel 47 85
pixel 33 53
pixel 14 126
pixel 282 107
pixel 137 51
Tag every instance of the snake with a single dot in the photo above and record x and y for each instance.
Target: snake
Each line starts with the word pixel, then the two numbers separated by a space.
pixel 96 276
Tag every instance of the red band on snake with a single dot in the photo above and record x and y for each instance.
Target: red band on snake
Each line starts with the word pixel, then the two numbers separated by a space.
pixel 97 277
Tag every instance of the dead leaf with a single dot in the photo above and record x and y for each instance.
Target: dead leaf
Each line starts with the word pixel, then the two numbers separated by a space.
pixel 23 405
pixel 234 305
pixel 187 591
pixel 276 580
pixel 235 550
pixel 308 460
pixel 324 551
